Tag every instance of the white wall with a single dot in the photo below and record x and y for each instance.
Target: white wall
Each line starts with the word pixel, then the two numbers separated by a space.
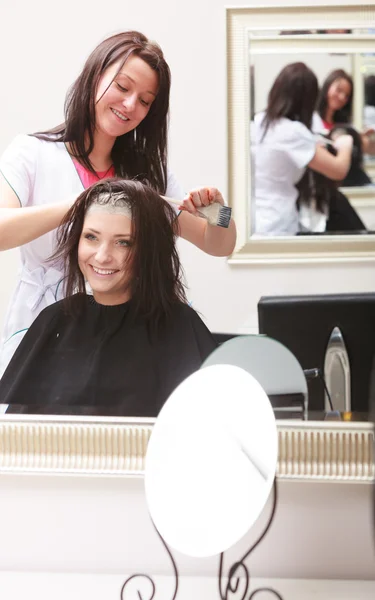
pixel 43 46
pixel 78 538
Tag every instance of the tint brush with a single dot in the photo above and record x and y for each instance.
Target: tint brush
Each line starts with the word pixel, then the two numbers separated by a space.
pixel 215 213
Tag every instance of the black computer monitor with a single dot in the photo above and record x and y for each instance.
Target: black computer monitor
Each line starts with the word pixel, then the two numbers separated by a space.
pixel 304 325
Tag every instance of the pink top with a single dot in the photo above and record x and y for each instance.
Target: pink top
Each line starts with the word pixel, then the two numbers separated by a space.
pixel 87 178
pixel 327 125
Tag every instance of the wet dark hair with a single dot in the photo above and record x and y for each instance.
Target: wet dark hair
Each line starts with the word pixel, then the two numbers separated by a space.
pixel 156 282
pixel 314 185
pixel 356 175
pixel 292 96
pixel 370 90
pixel 341 216
pixel 357 153
pixel 329 200
pixel 139 153
pixel 343 115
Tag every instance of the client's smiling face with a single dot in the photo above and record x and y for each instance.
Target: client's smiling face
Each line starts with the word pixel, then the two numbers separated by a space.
pixel 103 254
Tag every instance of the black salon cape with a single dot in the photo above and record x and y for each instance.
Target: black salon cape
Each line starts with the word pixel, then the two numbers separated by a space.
pixel 102 363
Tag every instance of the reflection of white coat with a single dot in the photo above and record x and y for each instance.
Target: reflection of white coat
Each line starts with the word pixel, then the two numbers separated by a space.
pixel 279 161
pixel 40 173
pixel 317 125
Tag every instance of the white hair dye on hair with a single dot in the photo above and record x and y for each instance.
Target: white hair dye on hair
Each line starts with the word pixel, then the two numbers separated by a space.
pixel 112 203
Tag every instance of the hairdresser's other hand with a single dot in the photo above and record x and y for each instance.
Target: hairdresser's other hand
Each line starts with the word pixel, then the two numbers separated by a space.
pixel 201 197
pixel 344 142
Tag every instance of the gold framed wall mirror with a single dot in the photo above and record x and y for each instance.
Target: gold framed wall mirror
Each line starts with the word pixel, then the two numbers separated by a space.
pixel 260 42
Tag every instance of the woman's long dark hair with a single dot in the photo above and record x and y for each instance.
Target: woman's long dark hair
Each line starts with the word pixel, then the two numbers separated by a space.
pixel 156 281
pixel 343 115
pixel 140 153
pixel 292 96
pixel 370 90
pixel 356 175
pixel 329 200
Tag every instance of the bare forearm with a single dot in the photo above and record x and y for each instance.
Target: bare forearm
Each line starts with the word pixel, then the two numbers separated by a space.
pixel 333 167
pixel 344 158
pixel 19 226
pixel 220 241
pixel 217 241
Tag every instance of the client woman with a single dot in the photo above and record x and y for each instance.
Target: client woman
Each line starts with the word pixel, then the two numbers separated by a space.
pixel 123 349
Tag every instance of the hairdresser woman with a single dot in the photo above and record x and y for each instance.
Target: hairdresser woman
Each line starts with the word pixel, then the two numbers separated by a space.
pixel 284 146
pixel 115 125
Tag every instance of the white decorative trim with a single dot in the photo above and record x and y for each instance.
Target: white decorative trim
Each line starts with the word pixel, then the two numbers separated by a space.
pixel 240 21
pixel 314 44
pixel 328 451
pixel 87 445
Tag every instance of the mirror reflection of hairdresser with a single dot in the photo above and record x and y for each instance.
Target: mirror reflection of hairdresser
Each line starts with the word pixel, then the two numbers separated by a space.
pixel 284 146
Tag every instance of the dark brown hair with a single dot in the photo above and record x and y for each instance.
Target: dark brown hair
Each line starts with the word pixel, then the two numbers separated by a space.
pixel 156 282
pixel 370 90
pixel 139 153
pixel 326 193
pixel 356 175
pixel 344 114
pixel 329 200
pixel 292 96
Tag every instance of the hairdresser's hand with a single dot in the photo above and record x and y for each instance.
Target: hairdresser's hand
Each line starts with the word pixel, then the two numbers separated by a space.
pixel 344 142
pixel 368 141
pixel 369 131
pixel 201 197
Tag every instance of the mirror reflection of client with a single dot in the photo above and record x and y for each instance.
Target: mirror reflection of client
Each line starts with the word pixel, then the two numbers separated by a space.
pixel 322 206
pixel 356 175
pixel 123 349
pixel 368 144
pixel 369 108
pixel 284 146
pixel 335 107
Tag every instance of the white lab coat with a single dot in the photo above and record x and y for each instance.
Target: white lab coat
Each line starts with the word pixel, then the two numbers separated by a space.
pixel 279 160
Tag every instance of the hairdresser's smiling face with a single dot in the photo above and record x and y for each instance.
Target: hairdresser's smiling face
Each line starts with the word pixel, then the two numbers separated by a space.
pixel 124 96
pixel 339 93
pixel 103 252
